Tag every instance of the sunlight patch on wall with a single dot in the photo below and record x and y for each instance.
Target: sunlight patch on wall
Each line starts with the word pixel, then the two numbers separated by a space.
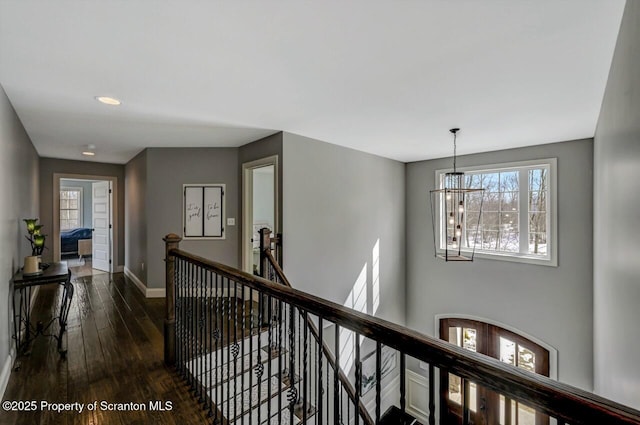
pixel 357 300
pixel 375 277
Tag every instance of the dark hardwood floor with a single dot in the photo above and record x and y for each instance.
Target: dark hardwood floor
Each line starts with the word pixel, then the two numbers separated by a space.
pixel 115 350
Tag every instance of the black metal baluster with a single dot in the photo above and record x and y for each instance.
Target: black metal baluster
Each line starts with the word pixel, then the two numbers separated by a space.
pixel 327 392
pixel 244 327
pixel 201 330
pixel 216 336
pixel 432 395
pixel 465 403
pixel 292 396
pixel 210 339
pixel 342 404
pixel 259 366
pixel 230 398
pixel 358 380
pixel 378 379
pixel 269 357
pixel 190 319
pixel 403 384
pixel 251 325
pixel 280 324
pixel 222 358
pixel 235 350
pixel 319 360
pixel 179 340
pixel 336 389
pixel 305 371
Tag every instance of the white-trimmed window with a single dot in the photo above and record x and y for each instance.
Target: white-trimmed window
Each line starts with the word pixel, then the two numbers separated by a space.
pixel 518 221
pixel 70 208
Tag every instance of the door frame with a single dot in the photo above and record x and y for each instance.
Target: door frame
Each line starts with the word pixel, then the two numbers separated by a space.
pixel 247 205
pixel 113 213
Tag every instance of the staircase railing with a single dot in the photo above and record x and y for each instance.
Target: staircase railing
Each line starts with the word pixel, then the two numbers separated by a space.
pixel 215 319
pixel 270 269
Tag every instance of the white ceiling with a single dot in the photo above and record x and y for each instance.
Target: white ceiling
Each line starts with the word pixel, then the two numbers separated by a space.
pixel 382 76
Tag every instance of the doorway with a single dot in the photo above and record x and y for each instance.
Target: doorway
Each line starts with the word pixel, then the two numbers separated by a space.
pixel 485 406
pixel 260 207
pixel 83 222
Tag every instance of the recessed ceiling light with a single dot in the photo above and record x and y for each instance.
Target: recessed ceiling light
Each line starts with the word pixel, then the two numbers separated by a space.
pixel 108 100
pixel 89 150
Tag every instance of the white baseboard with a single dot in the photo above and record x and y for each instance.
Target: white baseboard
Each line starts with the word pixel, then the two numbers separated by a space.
pixel 156 293
pixel 5 374
pixel 147 292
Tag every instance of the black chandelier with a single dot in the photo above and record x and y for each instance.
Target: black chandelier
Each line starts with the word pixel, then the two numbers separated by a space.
pixel 453 240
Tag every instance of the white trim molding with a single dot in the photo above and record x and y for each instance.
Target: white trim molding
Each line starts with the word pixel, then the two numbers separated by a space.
pixel 5 374
pixel 417 389
pixel 147 292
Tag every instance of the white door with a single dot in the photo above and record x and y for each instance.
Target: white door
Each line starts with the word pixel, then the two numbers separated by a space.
pixel 101 208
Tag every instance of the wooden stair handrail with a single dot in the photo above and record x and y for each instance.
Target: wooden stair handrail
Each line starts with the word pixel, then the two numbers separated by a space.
pixel 550 397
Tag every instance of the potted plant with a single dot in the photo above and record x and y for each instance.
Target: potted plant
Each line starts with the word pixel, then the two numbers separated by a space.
pixel 37 240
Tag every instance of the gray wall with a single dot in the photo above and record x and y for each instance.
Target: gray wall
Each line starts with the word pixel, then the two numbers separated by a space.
pixel 553 304
pixel 167 170
pixel 616 217
pixel 87 195
pixel 19 194
pixel 135 218
pixel 50 166
pixel 338 202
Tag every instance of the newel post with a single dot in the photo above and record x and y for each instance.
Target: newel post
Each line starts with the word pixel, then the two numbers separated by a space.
pixel 265 243
pixel 172 241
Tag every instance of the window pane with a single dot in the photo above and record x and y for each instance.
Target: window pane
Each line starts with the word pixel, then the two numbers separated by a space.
pixel 73 214
pixel 538 243
pixel 538 179
pixel 454 336
pixel 490 221
pixel 509 201
pixel 507 351
pixel 537 201
pixel 509 181
pixel 469 339
pixel 537 222
pixel 490 182
pixel 526 415
pixel 64 204
pixel 73 204
pixel 526 359
pixel 473 201
pixel 489 240
pixel 473 238
pixel 491 201
pixel 472 218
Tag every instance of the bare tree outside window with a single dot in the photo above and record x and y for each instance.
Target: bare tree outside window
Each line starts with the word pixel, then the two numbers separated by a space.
pixel 538 211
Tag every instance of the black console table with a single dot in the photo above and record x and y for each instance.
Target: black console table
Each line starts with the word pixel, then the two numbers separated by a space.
pixel 22 292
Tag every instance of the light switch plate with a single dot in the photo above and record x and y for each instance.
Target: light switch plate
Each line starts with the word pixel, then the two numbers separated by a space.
pixel 231 222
